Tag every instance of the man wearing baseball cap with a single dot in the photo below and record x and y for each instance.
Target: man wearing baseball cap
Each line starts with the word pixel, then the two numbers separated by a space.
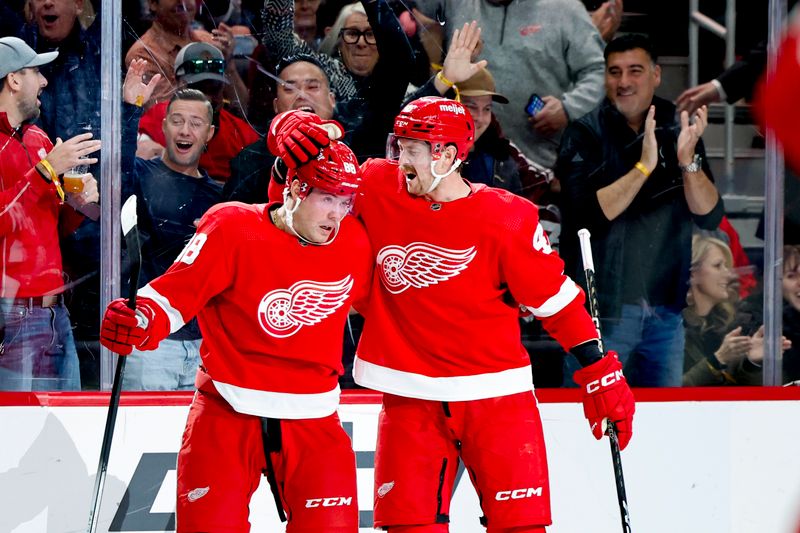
pixel 37 351
pixel 172 29
pixel 203 67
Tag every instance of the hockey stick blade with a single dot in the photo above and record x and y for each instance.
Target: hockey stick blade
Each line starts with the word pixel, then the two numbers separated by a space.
pixel 127 215
pixel 130 231
pixel 611 430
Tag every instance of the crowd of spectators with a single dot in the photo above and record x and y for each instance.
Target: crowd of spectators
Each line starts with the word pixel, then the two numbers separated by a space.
pixel 602 151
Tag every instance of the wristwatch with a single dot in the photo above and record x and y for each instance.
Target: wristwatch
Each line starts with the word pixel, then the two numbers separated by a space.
pixel 695 166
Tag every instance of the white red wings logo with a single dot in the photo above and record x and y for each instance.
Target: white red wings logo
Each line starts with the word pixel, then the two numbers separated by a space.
pixel 283 312
pixel 420 265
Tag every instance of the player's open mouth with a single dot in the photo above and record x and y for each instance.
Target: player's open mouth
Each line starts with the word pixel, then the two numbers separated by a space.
pixel 50 19
pixel 409 172
pixel 306 108
pixel 184 146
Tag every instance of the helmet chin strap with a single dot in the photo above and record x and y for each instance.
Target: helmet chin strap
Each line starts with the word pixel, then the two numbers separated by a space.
pixel 289 219
pixel 437 178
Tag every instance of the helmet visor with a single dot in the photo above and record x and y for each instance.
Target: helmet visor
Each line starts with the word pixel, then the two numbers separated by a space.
pixel 392 147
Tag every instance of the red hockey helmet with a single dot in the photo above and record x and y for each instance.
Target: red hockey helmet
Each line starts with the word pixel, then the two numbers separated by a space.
pixel 334 170
pixel 438 121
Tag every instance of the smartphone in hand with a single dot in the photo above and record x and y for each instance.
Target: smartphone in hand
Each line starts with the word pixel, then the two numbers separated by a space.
pixel 535 104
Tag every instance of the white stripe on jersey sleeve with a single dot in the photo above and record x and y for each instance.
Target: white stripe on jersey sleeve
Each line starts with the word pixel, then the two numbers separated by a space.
pixel 568 291
pixel 175 318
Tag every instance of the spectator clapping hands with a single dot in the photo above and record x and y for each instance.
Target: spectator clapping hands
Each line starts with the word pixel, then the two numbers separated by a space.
pixel 755 353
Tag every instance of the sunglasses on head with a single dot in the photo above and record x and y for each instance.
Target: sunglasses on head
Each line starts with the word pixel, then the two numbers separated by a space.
pixel 198 66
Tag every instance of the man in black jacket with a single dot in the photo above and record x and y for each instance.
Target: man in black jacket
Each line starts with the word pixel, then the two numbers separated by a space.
pixel 635 176
pixel 173 192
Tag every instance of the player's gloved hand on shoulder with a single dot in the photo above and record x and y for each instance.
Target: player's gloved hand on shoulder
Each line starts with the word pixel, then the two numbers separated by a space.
pixel 606 395
pixel 298 136
pixel 124 328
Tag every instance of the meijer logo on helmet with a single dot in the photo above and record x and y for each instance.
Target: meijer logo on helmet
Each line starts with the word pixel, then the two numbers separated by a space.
pixel 458 110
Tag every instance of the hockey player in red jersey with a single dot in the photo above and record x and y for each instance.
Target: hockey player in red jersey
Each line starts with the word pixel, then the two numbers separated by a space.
pixel 271 286
pixel 441 339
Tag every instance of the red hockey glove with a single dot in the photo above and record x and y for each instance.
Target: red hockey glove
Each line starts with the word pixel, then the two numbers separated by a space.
pixel 123 328
pixel 297 136
pixel 606 395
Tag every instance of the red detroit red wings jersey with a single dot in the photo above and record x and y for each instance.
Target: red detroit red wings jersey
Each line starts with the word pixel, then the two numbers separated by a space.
pixel 442 323
pixel 272 309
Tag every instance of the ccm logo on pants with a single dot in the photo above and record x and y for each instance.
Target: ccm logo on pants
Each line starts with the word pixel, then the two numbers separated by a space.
pixel 605 381
pixel 329 502
pixel 518 494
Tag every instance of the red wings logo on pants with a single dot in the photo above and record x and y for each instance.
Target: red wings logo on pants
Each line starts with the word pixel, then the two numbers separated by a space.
pixel 283 312
pixel 420 265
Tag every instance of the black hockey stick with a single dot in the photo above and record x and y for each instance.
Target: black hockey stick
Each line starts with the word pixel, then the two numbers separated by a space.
pixel 131 232
pixel 611 430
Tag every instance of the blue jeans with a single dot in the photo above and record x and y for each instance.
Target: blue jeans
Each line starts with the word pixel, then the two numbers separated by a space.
pixel 172 366
pixel 38 351
pixel 649 341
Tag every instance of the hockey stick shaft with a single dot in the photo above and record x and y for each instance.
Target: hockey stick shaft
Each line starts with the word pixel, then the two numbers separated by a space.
pixel 135 257
pixel 616 458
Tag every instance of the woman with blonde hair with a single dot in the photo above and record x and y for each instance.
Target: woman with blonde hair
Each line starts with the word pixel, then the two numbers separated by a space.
pixel 716 352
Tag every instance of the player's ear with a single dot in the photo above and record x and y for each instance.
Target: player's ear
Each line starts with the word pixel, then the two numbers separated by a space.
pixel 452 153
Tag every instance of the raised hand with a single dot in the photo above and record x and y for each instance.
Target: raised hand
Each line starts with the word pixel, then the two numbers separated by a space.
pixel 134 89
pixel 458 65
pixel 607 18
pixel 649 144
pixel 224 39
pixel 690 134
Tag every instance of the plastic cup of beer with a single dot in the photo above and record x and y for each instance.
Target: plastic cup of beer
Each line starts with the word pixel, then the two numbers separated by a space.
pixel 73 179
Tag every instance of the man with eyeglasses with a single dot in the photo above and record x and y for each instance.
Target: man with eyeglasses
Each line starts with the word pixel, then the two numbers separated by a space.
pixel 173 193
pixel 203 67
